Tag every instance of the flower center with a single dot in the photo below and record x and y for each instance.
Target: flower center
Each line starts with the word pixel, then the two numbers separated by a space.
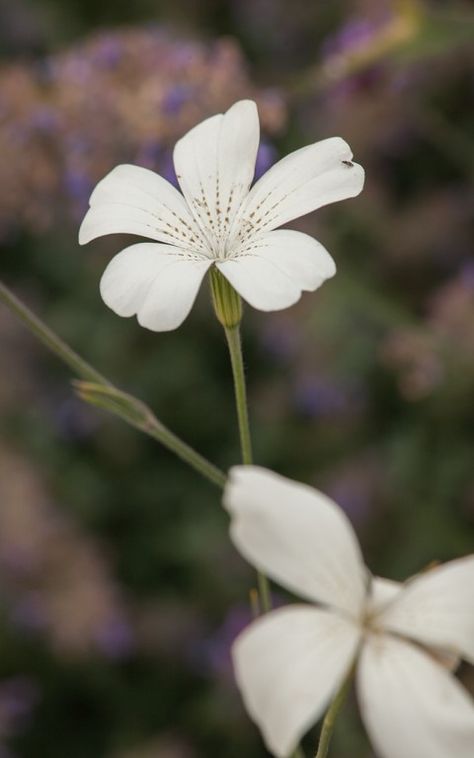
pixel 370 622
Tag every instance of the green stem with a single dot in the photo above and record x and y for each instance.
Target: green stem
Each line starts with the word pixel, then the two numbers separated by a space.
pixel 50 339
pixel 235 349
pixel 236 359
pixel 264 592
pixel 187 454
pixel 150 425
pixel 331 715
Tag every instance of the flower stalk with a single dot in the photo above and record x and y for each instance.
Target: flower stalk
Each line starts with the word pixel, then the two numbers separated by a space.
pixel 234 343
pixel 97 390
pixel 235 350
pixel 50 339
pixel 332 713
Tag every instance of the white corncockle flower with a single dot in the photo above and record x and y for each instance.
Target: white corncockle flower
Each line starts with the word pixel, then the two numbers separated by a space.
pixel 290 663
pixel 218 221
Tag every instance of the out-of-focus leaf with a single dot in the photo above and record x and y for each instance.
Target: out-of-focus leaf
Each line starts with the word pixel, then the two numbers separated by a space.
pixel 438 34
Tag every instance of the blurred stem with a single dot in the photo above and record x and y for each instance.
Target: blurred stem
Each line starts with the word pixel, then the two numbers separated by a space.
pixel 99 391
pixel 264 593
pixel 401 28
pixel 332 714
pixel 235 349
pixel 50 339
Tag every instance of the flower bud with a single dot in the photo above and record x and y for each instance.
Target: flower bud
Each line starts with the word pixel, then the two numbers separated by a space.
pixel 227 302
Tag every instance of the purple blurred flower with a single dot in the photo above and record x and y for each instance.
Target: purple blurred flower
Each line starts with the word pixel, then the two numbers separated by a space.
pixel 115 638
pixel 355 34
pixel 175 97
pixel 213 654
pixel 78 68
pixel 149 154
pixel 215 651
pixel 45 119
pixel 266 157
pixel 317 396
pixel 167 169
pixel 183 55
pixel 104 104
pixel 78 185
pixel 17 559
pixel 74 420
pixel 337 50
pixel 467 274
pixel 108 51
pixel 76 145
pixel 280 339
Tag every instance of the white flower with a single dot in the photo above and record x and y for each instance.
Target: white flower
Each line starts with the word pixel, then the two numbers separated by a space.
pixel 218 221
pixel 290 663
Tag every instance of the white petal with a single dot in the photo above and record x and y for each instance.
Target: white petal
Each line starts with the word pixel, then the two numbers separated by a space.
pixel 288 664
pixel 272 270
pixel 300 183
pixel 412 707
pixel 134 200
pixel 260 282
pixel 297 536
pixel 157 282
pixel 299 256
pixel 382 592
pixel 215 164
pixel 437 608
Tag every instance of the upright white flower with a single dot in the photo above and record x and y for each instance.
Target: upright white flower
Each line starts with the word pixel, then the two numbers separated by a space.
pixel 218 220
pixel 290 663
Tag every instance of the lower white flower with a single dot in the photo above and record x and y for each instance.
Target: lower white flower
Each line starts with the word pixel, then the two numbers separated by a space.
pixel 218 221
pixel 290 663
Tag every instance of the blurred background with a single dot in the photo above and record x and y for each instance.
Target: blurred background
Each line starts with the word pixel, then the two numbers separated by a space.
pixel 120 593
